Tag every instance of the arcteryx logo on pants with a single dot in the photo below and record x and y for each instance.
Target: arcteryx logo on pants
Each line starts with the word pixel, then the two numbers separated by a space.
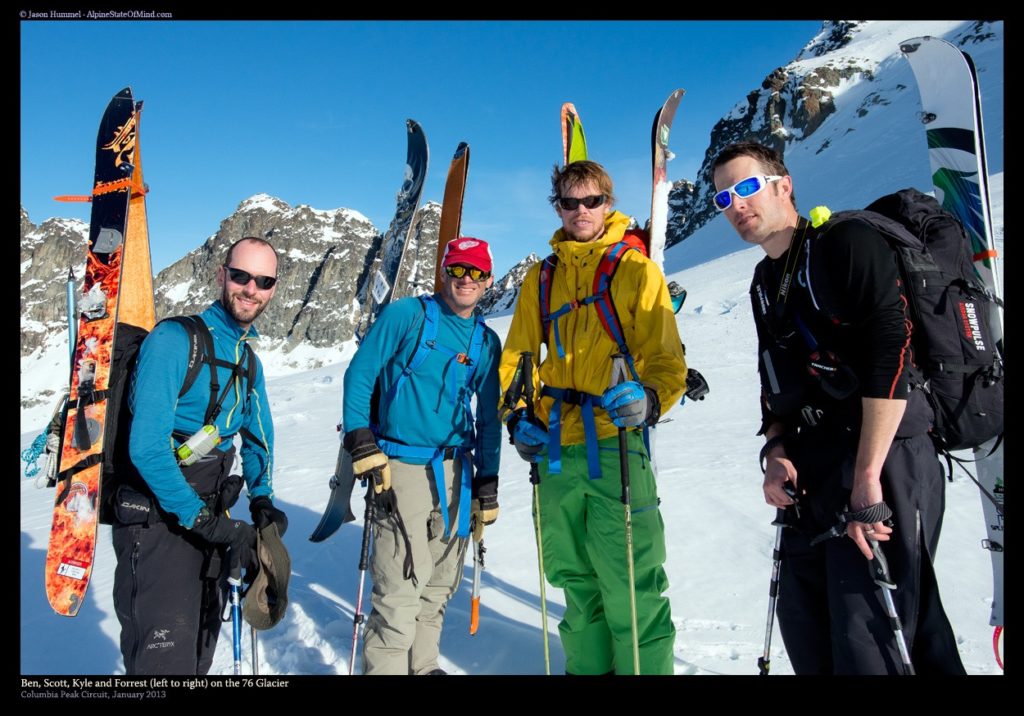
pixel 159 640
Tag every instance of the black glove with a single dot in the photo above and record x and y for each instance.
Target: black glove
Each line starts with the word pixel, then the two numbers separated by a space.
pixel 368 462
pixel 528 435
pixel 222 530
pixel 263 513
pixel 484 509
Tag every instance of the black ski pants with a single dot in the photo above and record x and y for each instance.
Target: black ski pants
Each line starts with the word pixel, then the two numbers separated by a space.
pixel 831 613
pixel 170 585
pixel 168 604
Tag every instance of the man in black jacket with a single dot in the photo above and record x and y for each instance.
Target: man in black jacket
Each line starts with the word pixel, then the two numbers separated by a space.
pixel 846 432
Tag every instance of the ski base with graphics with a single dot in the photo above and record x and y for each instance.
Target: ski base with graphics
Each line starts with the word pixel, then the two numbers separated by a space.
pixel 117 289
pixel 384 273
pixel 451 206
pixel 951 112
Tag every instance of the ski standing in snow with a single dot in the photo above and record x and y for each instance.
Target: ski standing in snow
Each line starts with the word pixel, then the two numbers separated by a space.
pixel 172 535
pixel 597 296
pixel 430 463
pixel 845 429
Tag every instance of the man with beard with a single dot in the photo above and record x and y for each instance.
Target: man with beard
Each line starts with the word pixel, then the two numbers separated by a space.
pixel 196 380
pixel 573 435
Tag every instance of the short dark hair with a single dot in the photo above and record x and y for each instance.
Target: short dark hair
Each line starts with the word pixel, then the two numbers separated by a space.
pixel 254 239
pixel 578 173
pixel 767 157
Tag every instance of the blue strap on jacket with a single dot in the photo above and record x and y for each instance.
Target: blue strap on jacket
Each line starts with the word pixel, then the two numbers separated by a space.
pixel 459 371
pixel 601 297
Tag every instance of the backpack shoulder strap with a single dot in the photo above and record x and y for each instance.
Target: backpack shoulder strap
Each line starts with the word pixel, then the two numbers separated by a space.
pixel 606 269
pixel 547 272
pixel 250 369
pixel 200 348
pixel 636 239
pixel 428 333
pixel 476 344
pixel 424 344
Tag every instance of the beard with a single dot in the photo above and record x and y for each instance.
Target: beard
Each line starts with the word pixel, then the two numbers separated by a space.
pixel 244 315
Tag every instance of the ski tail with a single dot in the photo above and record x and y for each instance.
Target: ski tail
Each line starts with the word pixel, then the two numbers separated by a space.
pixel 660 156
pixel 574 141
pixel 382 284
pixel 451 208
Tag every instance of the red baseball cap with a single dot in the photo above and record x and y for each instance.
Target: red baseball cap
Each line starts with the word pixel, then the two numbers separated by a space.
pixel 469 251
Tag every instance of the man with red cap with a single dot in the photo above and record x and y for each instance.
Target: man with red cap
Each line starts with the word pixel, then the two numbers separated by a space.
pixel 433 465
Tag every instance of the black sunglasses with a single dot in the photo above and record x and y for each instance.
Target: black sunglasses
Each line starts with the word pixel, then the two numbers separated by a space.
pixel 458 271
pixel 242 278
pixel 569 203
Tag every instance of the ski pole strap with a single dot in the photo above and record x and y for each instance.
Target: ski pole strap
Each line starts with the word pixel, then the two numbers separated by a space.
pixel 586 401
pixel 878 512
pixel 385 507
pixel 436 458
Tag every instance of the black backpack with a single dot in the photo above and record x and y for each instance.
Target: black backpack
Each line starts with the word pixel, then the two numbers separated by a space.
pixel 118 468
pixel 959 364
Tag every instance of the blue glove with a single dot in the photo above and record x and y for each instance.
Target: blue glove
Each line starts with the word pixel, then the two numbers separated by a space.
pixel 529 436
pixel 630 404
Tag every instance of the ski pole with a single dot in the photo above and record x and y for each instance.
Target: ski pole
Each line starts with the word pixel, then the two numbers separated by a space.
pixel 525 372
pixel 255 651
pixel 478 567
pixel 235 584
pixel 619 374
pixel 765 661
pixel 879 569
pixel 364 558
pixel 72 315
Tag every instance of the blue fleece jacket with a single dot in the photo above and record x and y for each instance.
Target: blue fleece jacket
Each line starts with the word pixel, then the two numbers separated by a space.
pixel 423 412
pixel 157 411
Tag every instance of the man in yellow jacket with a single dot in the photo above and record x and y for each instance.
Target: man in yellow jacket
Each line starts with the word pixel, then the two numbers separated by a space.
pixel 573 436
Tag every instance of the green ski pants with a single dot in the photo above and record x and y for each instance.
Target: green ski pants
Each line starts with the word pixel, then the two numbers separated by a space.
pixel 583 525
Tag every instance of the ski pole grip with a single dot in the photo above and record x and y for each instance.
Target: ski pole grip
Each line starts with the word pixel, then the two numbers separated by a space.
pixel 515 388
pixel 620 372
pixel 235 576
pixel 880 567
pixel 526 361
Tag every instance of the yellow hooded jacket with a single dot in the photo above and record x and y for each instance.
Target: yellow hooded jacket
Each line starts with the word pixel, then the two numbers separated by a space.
pixel 642 302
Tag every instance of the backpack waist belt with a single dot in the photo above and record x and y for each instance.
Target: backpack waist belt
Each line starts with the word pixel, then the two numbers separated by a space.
pixel 436 458
pixel 586 401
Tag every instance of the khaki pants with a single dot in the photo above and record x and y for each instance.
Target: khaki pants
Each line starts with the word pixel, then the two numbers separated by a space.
pixel 403 632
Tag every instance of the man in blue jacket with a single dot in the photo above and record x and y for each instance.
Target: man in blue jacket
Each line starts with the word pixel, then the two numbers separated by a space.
pixel 171 531
pixel 431 463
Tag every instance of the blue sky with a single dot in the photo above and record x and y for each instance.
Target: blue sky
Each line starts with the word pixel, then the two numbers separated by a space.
pixel 314 112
